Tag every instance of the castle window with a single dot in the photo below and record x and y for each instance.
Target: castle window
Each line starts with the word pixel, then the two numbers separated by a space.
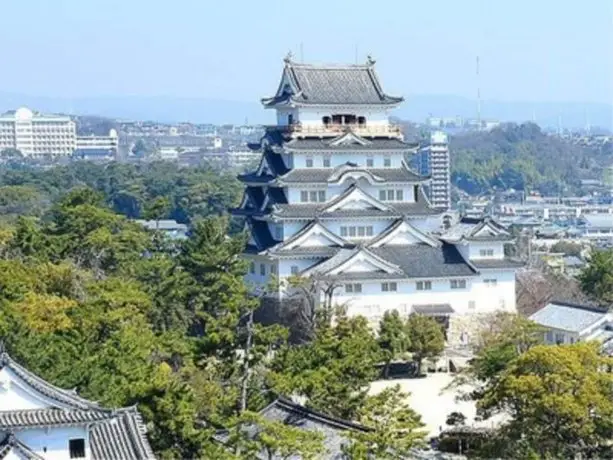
pixel 387 162
pixel 457 284
pixel 326 162
pixel 262 270
pixel 294 269
pixel 252 268
pixel 486 252
pixel 313 196
pixel 290 119
pixel 382 195
pixel 389 287
pixel 361 120
pixel 321 196
pixel 326 120
pixel 309 162
pixel 304 196
pixel 370 162
pixel 423 285
pixel 353 288
pixel 76 448
pixel 399 195
pixel 273 269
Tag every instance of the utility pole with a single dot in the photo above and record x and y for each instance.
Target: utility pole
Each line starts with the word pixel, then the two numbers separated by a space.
pixel 246 358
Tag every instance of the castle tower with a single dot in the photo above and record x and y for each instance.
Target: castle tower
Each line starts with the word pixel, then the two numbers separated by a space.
pixel 333 198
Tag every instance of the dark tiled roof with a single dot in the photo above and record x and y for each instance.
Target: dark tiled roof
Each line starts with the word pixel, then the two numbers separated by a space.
pixel 433 309
pixel 425 261
pixel 11 445
pixel 257 196
pixel 261 234
pixel 275 162
pixel 333 429
pixel 50 417
pixel 468 228
pixel 324 85
pixel 276 195
pixel 124 437
pixel 374 143
pixel 253 177
pixel 413 261
pixel 493 263
pixel 324 175
pixel 311 211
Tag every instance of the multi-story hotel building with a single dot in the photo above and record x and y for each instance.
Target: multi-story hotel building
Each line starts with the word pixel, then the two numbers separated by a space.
pixel 37 135
pixel 334 200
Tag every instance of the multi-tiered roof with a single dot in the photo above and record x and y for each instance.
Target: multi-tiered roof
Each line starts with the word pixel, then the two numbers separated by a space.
pixel 329 164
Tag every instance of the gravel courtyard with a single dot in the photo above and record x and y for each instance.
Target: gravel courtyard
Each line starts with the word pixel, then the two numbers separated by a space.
pixel 433 403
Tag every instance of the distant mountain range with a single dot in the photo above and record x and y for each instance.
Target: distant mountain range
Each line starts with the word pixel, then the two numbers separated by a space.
pixel 416 108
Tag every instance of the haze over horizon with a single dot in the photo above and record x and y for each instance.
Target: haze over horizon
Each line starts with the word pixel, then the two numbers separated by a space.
pixel 105 55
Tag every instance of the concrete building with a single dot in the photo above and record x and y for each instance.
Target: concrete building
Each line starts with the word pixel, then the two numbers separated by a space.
pixel 98 147
pixel 41 421
pixel 334 201
pixel 598 228
pixel 433 160
pixel 36 135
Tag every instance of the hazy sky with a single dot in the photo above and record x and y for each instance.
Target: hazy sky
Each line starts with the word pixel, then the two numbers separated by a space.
pixel 531 50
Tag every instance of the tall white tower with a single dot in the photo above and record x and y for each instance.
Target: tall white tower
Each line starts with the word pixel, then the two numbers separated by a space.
pixel 439 170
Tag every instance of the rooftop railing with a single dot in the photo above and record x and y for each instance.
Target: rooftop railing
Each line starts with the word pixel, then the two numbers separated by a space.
pixel 335 129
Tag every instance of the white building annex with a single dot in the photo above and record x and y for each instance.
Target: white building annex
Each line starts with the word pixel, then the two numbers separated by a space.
pixel 39 421
pixel 333 198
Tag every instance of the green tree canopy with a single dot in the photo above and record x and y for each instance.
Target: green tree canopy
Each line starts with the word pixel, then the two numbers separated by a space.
pixel 426 338
pixel 558 399
pixel 596 278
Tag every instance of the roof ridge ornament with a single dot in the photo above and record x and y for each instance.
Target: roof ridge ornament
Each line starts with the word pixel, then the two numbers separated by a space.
pixel 288 57
pixel 370 61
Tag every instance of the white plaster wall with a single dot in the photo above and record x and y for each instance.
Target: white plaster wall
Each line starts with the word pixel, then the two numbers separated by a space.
pixel 476 298
pixel 493 298
pixel 378 225
pixel 285 265
pixel 283 113
pixel 256 279
pixel 338 158
pixel 291 228
pixel 373 303
pixel 55 440
pixel 15 394
pixel 475 247
pixel 313 116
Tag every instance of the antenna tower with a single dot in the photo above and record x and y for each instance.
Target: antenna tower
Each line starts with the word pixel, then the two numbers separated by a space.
pixel 478 98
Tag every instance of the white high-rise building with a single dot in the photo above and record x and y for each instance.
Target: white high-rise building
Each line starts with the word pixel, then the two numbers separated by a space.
pixel 333 200
pixel 37 135
pixel 439 170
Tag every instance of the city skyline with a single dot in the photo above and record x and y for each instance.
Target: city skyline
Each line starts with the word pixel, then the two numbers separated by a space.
pixel 545 52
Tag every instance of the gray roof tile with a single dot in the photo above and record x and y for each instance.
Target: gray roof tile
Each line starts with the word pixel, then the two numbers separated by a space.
pixel 425 261
pixel 324 175
pixel 116 433
pixel 374 144
pixel 330 85
pixel 50 417
pixel 567 316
